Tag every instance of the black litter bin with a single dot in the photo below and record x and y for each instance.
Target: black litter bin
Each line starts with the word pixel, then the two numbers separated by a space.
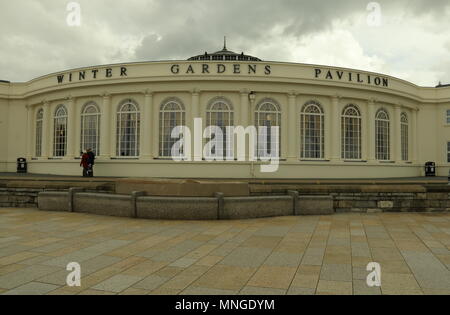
pixel 430 169
pixel 22 166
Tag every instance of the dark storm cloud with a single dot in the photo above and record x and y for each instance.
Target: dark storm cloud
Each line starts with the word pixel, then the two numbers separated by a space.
pixel 36 40
pixel 197 25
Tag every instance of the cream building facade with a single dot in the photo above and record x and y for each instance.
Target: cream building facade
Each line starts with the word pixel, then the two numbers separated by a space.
pixel 334 122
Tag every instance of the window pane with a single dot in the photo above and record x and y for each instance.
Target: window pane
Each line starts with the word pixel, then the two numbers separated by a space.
pixel 90 129
pixel 220 114
pixel 312 132
pixel 268 115
pixel 60 132
pixel 128 130
pixel 172 115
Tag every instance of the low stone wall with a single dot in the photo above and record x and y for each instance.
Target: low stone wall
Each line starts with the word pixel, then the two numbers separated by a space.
pixel 54 201
pixel 257 207
pixel 392 202
pixel 314 200
pixel 103 204
pixel 315 205
pixel 177 208
pixel 19 197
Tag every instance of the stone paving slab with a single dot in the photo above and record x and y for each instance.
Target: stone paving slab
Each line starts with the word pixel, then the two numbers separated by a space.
pixel 276 256
pixel 117 283
pixel 32 288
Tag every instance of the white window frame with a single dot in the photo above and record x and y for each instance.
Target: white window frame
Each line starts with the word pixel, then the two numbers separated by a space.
pixel 265 111
pixel 90 128
pixel 382 136
pixel 312 131
pixel 39 132
pixel 172 114
pixel 404 123
pixel 220 113
pixel 351 138
pixel 128 125
pixel 60 132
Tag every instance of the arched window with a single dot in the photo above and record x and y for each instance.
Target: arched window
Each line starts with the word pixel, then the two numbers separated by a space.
pixel 220 114
pixel 312 130
pixel 351 133
pixel 382 132
pixel 128 129
pixel 39 122
pixel 405 136
pixel 60 132
pixel 172 115
pixel 90 128
pixel 268 114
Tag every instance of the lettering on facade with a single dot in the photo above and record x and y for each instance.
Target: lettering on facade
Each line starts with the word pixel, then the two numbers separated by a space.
pixel 220 69
pixel 237 69
pixel 92 74
pixel 338 75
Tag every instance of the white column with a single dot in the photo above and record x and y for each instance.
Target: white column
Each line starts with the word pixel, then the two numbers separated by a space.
pixel 397 135
pixel 77 134
pixel 197 147
pixel 244 121
pixel 415 158
pixel 336 129
pixel 30 124
pixel 292 131
pixel 112 129
pixel 155 131
pixel 70 154
pixel 46 135
pixel 105 128
pixel 371 130
pixel 329 118
pixel 365 130
pixel 146 130
pixel 249 120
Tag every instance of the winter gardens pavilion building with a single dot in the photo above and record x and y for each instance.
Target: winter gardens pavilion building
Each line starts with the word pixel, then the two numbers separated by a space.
pixel 334 122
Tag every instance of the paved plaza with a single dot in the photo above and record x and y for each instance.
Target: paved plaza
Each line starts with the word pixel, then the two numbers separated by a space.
pixel 288 255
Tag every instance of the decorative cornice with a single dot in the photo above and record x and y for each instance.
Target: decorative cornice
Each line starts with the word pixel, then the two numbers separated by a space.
pixel 70 98
pixel 293 94
pixel 336 96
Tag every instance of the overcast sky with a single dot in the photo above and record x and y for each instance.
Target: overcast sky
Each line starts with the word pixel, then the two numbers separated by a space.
pixel 412 41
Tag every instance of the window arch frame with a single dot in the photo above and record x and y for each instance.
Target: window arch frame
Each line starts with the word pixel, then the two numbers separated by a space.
pixel 177 118
pixel 213 116
pixel 60 124
pixel 39 132
pixel 260 113
pixel 132 131
pixel 309 129
pixel 94 133
pixel 382 135
pixel 351 139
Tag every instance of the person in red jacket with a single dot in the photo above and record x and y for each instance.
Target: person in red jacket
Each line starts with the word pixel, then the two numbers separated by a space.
pixel 85 164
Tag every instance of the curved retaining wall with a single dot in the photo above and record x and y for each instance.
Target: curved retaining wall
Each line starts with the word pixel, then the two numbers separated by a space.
pixel 321 202
pixel 257 207
pixel 177 208
pixel 103 204
pixel 159 208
